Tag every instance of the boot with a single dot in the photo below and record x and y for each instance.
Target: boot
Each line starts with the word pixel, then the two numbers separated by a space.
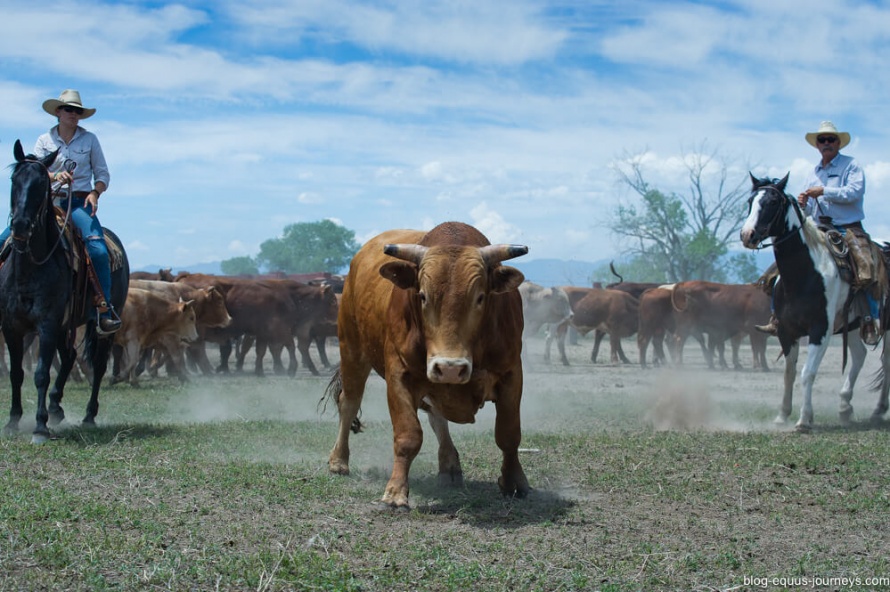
pixel 771 327
pixel 870 331
pixel 109 323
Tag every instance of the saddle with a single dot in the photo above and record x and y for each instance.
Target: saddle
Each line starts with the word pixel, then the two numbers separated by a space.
pixel 84 279
pixel 860 262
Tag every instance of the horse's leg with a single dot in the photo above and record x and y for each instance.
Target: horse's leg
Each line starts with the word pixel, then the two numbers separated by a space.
pixel 47 351
pixel 879 412
pixel 99 359
pixel 857 359
pixel 16 378
pixel 815 353
pixel 790 376
pixel 67 356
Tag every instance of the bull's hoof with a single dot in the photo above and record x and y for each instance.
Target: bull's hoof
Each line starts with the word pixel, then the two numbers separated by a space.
pixel 382 506
pixel 876 419
pixel 845 417
pixel 451 479
pixel 338 468
pixel 517 490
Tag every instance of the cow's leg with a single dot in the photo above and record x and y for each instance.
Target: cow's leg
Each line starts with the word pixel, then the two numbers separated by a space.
pixel 879 412
pixel 758 350
pixel 303 342
pixel 857 360
pixel 598 337
pixel 658 349
pixel 815 353
pixel 736 342
pixel 561 333
pixel 246 343
pixel 225 350
pixel 619 349
pixel 322 353
pixel 407 438
pixel 642 346
pixel 508 435
pixel 198 354
pixel 292 364
pixel 450 472
pixel 261 347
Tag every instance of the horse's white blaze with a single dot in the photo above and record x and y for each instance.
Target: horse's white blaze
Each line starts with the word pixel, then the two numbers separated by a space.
pixel 747 230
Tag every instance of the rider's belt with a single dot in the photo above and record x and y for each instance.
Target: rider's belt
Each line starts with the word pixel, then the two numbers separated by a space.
pixel 856 225
pixel 74 194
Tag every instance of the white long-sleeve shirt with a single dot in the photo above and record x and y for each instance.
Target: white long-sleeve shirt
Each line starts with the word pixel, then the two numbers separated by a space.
pixel 843 183
pixel 84 149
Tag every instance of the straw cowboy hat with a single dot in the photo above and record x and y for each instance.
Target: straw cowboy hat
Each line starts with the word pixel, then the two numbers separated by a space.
pixel 68 97
pixel 826 127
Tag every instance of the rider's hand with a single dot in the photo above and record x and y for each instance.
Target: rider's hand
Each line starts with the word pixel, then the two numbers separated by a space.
pixel 63 177
pixel 93 202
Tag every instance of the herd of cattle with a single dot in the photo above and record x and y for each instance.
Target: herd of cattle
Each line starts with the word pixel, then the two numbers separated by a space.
pixel 707 311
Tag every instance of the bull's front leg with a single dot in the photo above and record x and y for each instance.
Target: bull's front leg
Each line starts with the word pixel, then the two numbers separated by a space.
pixel 407 440
pixel 508 435
pixel 450 471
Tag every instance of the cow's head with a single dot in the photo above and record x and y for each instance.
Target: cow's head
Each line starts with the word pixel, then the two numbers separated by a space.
pixel 188 330
pixel 452 286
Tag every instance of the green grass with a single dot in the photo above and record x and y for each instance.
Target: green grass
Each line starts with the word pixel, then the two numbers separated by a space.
pixel 223 485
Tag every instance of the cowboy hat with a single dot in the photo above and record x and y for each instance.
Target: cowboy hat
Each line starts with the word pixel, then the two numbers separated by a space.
pixel 826 127
pixel 70 98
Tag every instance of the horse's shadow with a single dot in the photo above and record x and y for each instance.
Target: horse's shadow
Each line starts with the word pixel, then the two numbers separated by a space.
pixel 108 434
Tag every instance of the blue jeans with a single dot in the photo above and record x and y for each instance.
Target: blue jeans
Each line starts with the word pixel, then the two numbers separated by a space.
pixel 90 231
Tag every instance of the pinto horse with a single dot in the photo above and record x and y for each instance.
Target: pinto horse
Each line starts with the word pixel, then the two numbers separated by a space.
pixel 37 294
pixel 810 298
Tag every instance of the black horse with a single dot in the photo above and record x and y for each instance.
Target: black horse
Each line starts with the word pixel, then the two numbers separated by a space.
pixel 38 294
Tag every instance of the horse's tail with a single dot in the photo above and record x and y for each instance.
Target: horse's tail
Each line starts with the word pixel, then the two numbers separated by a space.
pixel 332 394
pixel 90 343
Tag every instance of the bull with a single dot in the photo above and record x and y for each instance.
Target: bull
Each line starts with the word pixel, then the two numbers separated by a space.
pixel 440 319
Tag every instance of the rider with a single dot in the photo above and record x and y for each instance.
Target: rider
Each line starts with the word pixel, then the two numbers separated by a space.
pixel 835 188
pixel 87 181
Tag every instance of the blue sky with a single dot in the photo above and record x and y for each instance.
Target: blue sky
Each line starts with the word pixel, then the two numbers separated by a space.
pixel 224 121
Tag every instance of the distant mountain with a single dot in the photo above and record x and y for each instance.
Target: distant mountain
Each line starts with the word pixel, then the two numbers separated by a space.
pixel 558 272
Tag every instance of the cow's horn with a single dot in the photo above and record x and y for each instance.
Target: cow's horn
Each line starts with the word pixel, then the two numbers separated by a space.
pixel 498 253
pixel 407 252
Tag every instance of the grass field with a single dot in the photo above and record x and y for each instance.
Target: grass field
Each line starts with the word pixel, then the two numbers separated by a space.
pixel 658 480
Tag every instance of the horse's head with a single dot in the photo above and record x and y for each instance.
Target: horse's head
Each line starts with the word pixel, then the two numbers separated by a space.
pixel 30 191
pixel 770 212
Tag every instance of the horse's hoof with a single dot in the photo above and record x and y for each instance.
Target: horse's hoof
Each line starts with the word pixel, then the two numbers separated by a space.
pixel 39 438
pixel 56 418
pixel 781 420
pixel 845 417
pixel 803 428
pixel 451 479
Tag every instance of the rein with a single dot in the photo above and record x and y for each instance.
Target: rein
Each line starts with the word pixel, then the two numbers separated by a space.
pixel 41 214
pixel 781 213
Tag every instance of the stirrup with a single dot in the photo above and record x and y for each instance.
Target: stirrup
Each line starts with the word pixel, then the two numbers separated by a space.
pixel 113 318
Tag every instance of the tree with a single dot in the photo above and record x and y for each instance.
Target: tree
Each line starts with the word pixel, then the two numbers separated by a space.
pixel 673 237
pixel 239 266
pixel 307 247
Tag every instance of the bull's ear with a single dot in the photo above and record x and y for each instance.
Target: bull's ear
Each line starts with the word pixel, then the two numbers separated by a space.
pixel 505 278
pixel 401 273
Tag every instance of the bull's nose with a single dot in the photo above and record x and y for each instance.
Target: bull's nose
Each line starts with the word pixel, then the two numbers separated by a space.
pixel 449 370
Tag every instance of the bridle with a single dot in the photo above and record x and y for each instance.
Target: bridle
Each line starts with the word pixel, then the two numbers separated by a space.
pixel 781 213
pixel 41 214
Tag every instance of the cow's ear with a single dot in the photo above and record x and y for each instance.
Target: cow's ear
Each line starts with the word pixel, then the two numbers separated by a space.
pixel 401 273
pixel 505 278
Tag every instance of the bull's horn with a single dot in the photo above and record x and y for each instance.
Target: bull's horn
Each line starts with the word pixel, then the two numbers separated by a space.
pixel 498 253
pixel 406 252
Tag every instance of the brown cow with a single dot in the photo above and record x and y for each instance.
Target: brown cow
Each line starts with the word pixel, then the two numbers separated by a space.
pixel 543 306
pixel 440 319
pixel 657 322
pixel 608 311
pixel 150 319
pixel 210 311
pixel 723 311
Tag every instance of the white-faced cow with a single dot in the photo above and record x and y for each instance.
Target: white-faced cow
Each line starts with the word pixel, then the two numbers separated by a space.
pixel 543 306
pixel 440 319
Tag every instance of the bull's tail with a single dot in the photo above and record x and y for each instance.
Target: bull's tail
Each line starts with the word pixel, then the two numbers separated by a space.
pixel 676 305
pixel 615 273
pixel 332 393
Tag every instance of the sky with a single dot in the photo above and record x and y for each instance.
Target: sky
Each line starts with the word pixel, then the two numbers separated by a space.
pixel 225 121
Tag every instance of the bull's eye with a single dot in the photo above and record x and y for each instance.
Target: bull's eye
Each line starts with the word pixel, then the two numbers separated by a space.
pixel 422 297
pixel 480 299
